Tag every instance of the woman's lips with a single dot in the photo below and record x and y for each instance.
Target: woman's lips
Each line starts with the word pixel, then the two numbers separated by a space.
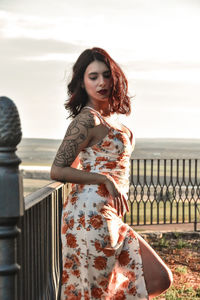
pixel 102 92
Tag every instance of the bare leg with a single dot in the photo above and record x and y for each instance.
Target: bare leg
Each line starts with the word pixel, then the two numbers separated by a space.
pixel 157 275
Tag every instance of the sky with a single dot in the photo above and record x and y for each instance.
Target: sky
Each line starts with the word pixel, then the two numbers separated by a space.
pixel 155 42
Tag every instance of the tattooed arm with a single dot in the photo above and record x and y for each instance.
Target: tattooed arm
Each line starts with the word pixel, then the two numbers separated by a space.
pixel 77 137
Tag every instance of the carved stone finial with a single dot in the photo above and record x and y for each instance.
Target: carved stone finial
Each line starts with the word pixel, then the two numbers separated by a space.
pixel 10 127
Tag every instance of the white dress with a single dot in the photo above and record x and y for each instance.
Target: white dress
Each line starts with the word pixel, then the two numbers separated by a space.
pixel 101 254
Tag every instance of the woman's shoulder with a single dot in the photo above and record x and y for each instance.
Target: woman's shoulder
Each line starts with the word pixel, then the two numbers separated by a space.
pixel 86 116
pixel 128 132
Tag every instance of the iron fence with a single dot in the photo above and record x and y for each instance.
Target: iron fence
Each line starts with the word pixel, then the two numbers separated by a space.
pixel 164 191
pixel 39 245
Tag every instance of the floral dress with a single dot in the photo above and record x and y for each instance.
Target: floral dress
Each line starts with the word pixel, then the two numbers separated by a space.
pixel 101 254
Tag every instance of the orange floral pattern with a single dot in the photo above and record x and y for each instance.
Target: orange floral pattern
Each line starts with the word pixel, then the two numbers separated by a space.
pixel 100 262
pixel 96 292
pixel 100 254
pixel 96 221
pixel 124 258
pixel 71 240
pixel 102 191
pixel 111 165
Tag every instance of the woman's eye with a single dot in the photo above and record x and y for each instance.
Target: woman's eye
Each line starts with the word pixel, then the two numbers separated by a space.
pixel 93 78
pixel 107 76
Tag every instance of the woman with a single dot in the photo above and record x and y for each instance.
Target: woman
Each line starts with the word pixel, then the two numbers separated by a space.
pixel 103 258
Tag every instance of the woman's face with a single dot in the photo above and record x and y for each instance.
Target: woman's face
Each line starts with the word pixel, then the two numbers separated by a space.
pixel 97 81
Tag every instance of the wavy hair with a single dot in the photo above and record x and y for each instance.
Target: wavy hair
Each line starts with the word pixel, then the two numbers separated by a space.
pixel 119 100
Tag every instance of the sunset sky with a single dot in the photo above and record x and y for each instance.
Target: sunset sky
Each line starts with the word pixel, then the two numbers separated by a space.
pixel 155 42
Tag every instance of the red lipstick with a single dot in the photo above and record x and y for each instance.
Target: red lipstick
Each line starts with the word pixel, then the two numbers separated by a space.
pixel 102 92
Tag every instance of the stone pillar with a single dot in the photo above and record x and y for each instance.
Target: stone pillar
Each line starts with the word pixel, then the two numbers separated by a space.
pixel 11 198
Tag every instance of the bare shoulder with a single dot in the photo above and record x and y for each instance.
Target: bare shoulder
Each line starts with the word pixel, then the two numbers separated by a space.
pixel 83 122
pixel 87 116
pixel 128 132
pixel 78 136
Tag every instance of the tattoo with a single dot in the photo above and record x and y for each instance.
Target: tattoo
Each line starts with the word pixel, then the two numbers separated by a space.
pixel 76 134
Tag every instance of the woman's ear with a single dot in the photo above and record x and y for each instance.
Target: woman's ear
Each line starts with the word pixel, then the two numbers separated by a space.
pixel 82 85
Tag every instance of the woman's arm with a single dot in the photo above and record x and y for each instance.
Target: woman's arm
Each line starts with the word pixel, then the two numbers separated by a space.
pixel 77 137
pixel 69 174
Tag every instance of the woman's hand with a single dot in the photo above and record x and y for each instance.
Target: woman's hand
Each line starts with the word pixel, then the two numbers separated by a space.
pixel 118 198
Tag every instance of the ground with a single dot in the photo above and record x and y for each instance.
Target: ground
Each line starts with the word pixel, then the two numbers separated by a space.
pixel 182 255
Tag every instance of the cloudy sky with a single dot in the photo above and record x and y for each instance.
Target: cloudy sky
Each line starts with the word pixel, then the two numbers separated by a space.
pixel 155 42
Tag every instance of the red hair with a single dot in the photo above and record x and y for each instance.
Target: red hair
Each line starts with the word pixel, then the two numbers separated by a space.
pixel 119 100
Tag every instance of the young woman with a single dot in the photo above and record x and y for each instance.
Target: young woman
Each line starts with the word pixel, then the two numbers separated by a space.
pixel 103 258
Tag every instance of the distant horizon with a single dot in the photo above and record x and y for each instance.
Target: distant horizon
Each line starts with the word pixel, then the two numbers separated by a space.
pixel 34 151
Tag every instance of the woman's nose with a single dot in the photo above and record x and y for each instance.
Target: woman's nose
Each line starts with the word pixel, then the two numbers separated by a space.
pixel 101 81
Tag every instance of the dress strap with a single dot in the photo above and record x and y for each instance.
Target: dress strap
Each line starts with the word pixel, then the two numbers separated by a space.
pixel 98 114
pixel 131 138
pixel 110 126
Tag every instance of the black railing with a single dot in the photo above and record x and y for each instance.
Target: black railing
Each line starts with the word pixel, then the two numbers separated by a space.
pixel 39 245
pixel 164 191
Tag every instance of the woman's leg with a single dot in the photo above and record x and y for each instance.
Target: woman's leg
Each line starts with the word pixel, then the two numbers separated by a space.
pixel 158 276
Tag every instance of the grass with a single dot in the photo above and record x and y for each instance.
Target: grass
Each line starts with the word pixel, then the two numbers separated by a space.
pixel 182 257
pixel 163 242
pixel 181 269
pixel 183 293
pixel 182 244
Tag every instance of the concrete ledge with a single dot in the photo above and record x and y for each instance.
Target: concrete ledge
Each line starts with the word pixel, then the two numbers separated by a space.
pixel 166 227
pixel 171 235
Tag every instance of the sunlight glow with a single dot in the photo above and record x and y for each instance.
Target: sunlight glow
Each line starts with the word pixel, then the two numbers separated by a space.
pixel 156 45
pixel 184 75
pixel 65 57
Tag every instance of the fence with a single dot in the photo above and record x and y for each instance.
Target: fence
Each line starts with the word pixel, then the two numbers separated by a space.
pixel 39 245
pixel 164 191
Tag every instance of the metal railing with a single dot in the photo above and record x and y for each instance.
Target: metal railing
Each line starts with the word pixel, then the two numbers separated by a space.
pixel 164 191
pixel 39 245
pixel 30 237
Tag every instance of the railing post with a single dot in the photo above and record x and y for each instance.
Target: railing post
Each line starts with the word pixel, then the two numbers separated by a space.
pixel 195 216
pixel 11 198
